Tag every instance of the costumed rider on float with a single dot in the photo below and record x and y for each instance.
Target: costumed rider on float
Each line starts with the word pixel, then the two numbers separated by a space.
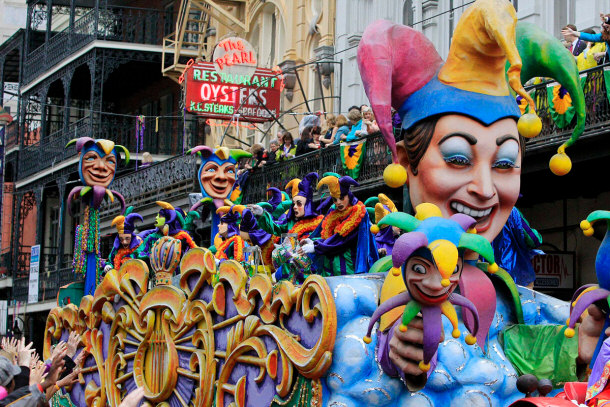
pixel 343 243
pixel 126 242
pixel 385 235
pixel 251 232
pixel 228 244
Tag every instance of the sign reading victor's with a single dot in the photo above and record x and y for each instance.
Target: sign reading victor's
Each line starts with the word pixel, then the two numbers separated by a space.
pixel 554 270
pixel 221 95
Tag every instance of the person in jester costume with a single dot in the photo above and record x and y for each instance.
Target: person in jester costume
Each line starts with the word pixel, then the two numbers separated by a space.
pixel 385 235
pixel 126 242
pixel 97 164
pixel 278 204
pixel 172 219
pixel 461 147
pixel 251 232
pixel 217 177
pixel 342 243
pixel 228 243
pixel 302 218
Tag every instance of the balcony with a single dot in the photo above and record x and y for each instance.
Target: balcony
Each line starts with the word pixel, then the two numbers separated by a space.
pixel 122 24
pixel 51 150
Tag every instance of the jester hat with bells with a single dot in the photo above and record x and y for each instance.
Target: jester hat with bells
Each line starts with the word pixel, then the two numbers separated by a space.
pixel 339 187
pixel 103 148
pixel 171 216
pixel 443 241
pixel 304 188
pixel 593 293
pixel 219 155
pixel 473 82
pixel 378 207
pixel 231 218
pixel 125 224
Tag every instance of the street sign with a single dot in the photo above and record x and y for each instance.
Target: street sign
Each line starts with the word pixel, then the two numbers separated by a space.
pixel 222 95
pixel 34 273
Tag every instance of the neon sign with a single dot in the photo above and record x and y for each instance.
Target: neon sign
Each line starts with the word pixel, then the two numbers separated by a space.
pixel 220 95
pixel 235 56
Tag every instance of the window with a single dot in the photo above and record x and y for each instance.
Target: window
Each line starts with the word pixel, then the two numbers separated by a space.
pixel 407 13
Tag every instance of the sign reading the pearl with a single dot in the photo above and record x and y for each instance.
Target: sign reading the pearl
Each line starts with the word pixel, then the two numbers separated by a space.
pixel 220 95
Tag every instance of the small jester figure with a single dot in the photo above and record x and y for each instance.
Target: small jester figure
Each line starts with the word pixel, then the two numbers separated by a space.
pixel 228 244
pixel 217 178
pixel 430 258
pixel 126 241
pixel 98 160
pixel 174 220
pixel 342 243
pixel 385 236
pixel 302 217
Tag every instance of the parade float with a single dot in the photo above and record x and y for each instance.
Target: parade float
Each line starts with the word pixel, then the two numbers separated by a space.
pixel 327 324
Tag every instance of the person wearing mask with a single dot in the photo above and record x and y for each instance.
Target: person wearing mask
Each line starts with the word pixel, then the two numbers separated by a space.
pixel 604 36
pixel 287 150
pixel 573 43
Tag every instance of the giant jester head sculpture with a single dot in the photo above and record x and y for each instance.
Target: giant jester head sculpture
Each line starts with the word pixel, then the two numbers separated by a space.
pixel 218 171
pixel 430 259
pixel 98 161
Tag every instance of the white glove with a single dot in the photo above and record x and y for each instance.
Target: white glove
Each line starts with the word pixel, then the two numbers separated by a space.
pixel 107 268
pixel 256 209
pixel 306 246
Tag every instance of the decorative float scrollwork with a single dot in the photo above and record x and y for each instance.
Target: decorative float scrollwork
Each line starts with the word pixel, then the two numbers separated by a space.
pixel 215 337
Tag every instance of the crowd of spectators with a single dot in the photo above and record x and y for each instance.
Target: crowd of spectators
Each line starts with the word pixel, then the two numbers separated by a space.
pixel 589 48
pixel 28 381
pixel 316 131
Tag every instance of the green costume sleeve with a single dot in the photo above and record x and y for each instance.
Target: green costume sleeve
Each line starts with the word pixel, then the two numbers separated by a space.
pixel 265 221
pixel 542 350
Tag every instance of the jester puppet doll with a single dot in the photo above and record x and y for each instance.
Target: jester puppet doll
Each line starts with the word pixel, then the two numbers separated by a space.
pixel 218 178
pixel 462 149
pixel 302 218
pixel 97 164
pixel 126 242
pixel 342 243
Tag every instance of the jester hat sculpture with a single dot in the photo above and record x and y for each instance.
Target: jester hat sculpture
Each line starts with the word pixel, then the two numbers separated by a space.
pixel 472 82
pixel 382 206
pixel 125 224
pixel 443 241
pixel 97 164
pixel 217 173
pixel 592 293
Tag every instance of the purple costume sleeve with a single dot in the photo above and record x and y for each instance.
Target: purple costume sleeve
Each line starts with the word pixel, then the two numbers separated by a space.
pixel 413 383
pixel 336 244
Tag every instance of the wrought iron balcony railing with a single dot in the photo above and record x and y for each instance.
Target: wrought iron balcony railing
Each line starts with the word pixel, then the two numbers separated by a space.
pixel 51 150
pixel 122 24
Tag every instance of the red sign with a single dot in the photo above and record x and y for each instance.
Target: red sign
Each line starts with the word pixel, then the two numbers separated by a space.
pixel 554 270
pixel 219 95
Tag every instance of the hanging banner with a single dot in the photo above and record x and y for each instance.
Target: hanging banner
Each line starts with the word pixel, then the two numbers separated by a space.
pixel 221 95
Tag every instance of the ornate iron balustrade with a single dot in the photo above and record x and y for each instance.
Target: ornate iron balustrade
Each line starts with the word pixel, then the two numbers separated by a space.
pixel 20 288
pixel 597 105
pixel 51 281
pixel 123 24
pixel 51 150
pixel 161 181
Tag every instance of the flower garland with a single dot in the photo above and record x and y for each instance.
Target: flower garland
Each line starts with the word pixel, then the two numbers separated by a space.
pixel 238 249
pixel 87 240
pixel 303 228
pixel 343 222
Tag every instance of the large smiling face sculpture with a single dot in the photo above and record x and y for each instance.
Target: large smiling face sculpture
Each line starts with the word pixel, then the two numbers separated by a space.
pixel 217 173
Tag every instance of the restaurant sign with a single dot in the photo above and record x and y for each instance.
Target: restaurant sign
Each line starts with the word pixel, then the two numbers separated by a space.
pixel 219 94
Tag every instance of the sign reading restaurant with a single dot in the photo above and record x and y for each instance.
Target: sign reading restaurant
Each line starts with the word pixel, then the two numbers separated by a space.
pixel 232 84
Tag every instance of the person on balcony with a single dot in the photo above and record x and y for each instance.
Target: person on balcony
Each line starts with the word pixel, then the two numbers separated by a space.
pixel 287 150
pixel 355 119
pixel 330 123
pixel 126 242
pixel 341 129
pixel 342 244
pixel 604 36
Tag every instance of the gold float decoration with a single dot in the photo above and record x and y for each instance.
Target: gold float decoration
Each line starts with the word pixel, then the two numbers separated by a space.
pixel 185 341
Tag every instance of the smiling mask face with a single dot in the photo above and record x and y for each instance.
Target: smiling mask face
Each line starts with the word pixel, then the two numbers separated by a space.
pixel 423 280
pixel 98 169
pixel 217 180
